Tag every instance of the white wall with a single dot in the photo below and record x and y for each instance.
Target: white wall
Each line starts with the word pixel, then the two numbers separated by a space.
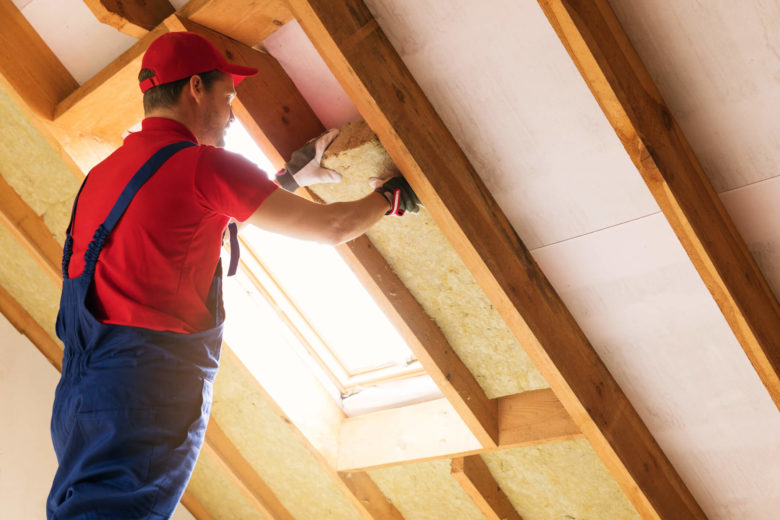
pixel 27 461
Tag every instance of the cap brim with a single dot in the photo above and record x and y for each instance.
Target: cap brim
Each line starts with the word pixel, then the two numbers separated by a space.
pixel 239 72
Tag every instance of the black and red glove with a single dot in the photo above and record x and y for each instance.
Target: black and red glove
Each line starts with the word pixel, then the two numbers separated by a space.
pixel 400 195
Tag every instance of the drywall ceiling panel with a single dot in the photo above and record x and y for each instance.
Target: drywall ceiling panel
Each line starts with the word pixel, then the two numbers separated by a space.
pixel 83 44
pixel 563 480
pixel 505 87
pixel 654 324
pixel 717 65
pixel 300 60
pixel 425 491
pixel 274 449
pixel 755 210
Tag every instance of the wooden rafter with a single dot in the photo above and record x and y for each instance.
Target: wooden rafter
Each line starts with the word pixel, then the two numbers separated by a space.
pixel 132 17
pixel 194 506
pixel 31 68
pixel 246 21
pixel 433 430
pixel 370 496
pixel 242 474
pixel 633 105
pixel 360 55
pixel 21 221
pixel 474 477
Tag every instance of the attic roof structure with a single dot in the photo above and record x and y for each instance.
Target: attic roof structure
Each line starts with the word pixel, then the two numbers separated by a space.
pixel 591 286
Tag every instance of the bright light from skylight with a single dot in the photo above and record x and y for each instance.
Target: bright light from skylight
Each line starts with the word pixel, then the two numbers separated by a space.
pixel 336 319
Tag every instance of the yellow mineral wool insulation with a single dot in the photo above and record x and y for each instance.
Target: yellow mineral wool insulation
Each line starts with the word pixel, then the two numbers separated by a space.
pixel 427 264
pixel 34 169
pixel 426 491
pixel 213 488
pixel 559 480
pixel 27 283
pixel 275 450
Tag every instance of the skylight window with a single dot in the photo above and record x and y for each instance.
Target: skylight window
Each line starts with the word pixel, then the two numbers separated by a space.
pixel 329 316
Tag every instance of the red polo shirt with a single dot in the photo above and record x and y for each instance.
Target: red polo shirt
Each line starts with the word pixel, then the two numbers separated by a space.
pixel 156 267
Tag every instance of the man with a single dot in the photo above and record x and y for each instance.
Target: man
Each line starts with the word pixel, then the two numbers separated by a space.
pixel 141 311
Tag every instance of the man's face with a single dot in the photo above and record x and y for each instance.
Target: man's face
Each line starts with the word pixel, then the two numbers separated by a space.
pixel 218 114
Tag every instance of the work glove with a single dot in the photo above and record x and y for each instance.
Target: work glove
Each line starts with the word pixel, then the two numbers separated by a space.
pixel 303 168
pixel 399 195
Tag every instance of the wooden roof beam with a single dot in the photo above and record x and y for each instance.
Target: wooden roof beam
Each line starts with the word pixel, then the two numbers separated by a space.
pixel 246 21
pixel 361 57
pixel 600 48
pixel 476 480
pixel 375 503
pixel 132 17
pixel 32 69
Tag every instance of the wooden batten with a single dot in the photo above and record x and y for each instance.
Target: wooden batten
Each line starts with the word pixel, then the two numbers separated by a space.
pixel 474 477
pixel 29 66
pixel 194 506
pixel 22 222
pixel 132 17
pixel 435 430
pixel 533 417
pixel 246 21
pixel 386 94
pixel 425 339
pixel 241 473
pixel 22 321
pixel 634 107
pixel 372 502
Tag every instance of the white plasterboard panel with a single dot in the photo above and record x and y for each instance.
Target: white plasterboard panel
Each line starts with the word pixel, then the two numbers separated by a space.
pixel 83 44
pixel 717 64
pixel 755 210
pixel 300 60
pixel 505 87
pixel 640 302
pixel 27 461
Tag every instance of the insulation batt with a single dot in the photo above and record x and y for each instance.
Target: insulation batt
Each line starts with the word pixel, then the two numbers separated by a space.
pixel 426 263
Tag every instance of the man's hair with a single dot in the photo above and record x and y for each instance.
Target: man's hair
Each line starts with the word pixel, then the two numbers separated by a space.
pixel 167 94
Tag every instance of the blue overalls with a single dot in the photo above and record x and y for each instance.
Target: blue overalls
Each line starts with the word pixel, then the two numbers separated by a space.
pixel 131 408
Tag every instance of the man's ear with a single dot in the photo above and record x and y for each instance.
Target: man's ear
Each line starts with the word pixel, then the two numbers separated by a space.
pixel 195 88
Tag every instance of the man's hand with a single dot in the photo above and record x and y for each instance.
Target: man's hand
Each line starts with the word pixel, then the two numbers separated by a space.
pixel 398 193
pixel 303 168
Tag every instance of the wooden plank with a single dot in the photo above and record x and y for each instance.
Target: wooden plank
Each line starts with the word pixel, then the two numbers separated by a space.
pixel 195 507
pixel 242 474
pixel 23 222
pixel 474 477
pixel 424 338
pixel 373 502
pixel 413 433
pixel 31 68
pixel 247 21
pixel 364 61
pixel 22 321
pixel 433 430
pixel 633 105
pixel 533 417
pixel 132 17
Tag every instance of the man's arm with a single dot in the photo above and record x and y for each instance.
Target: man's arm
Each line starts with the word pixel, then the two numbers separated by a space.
pixel 334 223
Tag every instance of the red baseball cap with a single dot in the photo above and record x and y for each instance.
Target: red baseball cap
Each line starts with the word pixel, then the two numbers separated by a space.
pixel 178 55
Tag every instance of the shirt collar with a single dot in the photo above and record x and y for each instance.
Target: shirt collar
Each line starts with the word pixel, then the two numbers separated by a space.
pixel 162 124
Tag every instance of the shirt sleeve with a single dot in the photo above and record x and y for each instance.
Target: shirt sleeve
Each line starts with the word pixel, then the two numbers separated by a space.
pixel 230 184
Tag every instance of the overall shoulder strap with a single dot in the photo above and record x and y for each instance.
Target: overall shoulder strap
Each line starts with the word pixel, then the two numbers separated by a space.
pixel 120 206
